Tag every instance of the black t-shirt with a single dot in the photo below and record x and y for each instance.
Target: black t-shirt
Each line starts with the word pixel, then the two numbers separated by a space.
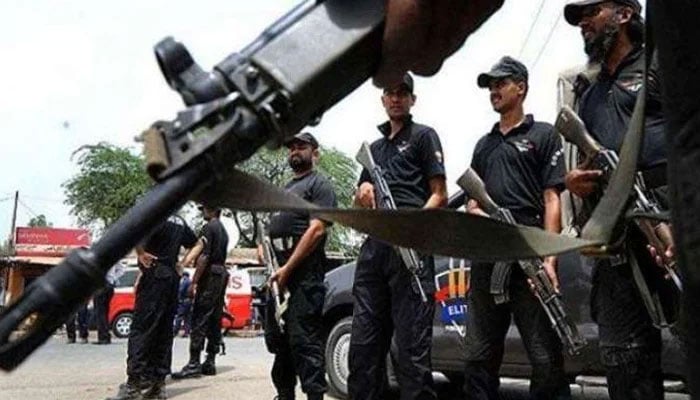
pixel 312 187
pixel 409 160
pixel 215 242
pixel 165 241
pixel 516 168
pixel 606 107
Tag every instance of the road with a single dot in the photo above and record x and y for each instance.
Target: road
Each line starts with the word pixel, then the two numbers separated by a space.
pixel 89 372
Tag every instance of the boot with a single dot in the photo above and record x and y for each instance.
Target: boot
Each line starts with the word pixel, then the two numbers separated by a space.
pixel 193 369
pixel 209 367
pixel 128 391
pixel 156 391
pixel 314 396
pixel 285 395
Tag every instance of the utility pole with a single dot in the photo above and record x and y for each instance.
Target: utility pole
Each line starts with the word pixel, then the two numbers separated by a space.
pixel 14 224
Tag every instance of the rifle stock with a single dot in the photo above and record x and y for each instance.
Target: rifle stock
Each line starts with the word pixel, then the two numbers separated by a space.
pixel 281 299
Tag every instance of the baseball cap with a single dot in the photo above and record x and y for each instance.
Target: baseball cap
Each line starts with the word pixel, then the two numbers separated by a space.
pixel 573 12
pixel 406 82
pixel 504 68
pixel 305 137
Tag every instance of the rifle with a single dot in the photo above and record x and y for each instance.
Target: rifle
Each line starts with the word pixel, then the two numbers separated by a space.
pixel 548 297
pixel 386 201
pixel 267 92
pixel 658 233
pixel 281 299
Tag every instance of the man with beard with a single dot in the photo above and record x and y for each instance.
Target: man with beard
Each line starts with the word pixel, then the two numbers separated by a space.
pixel 387 303
pixel 150 338
pixel 208 287
pixel 630 346
pixel 521 165
pixel 298 239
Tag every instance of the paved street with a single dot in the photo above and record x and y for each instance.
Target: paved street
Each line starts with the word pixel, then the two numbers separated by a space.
pixel 88 372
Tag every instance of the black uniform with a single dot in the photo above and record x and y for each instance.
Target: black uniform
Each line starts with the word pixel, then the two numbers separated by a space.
pixel 630 346
pixel 516 168
pixel 299 352
pixel 151 335
pixel 385 300
pixel 211 289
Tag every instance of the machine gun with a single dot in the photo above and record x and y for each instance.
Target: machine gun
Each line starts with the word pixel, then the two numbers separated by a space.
pixel 658 233
pixel 280 298
pixel 281 82
pixel 549 298
pixel 386 201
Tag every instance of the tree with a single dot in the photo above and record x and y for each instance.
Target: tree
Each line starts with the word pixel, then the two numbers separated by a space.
pixel 39 222
pixel 110 180
pixel 272 167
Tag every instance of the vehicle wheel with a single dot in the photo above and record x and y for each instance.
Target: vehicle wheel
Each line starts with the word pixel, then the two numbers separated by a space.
pixel 121 326
pixel 337 350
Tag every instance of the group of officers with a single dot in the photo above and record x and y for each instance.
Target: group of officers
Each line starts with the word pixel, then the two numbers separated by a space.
pixel 521 161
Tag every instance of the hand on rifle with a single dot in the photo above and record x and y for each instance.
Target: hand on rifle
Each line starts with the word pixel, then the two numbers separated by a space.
pixel 420 35
pixel 582 182
pixel 550 268
pixel 364 197
pixel 659 258
pixel 146 259
pixel 281 276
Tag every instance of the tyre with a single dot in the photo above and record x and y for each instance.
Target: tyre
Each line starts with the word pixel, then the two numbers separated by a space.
pixel 337 350
pixel 121 326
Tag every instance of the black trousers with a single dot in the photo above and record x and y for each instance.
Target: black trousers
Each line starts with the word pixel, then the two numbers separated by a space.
pixel 151 336
pixel 386 305
pixel 487 326
pixel 101 303
pixel 630 346
pixel 207 310
pixel 299 350
pixel 82 323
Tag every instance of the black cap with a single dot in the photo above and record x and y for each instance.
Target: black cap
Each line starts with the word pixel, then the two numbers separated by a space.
pixel 304 137
pixel 573 11
pixel 406 82
pixel 506 67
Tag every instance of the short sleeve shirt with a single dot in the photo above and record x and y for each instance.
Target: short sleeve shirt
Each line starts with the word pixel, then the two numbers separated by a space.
pixel 408 160
pixel 165 241
pixel 518 167
pixel 312 187
pixel 215 241
pixel 606 108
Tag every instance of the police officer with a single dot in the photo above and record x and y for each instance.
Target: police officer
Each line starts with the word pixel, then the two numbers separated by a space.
pixel 101 302
pixel 299 241
pixel 386 302
pixel 521 165
pixel 209 288
pixel 613 33
pixel 150 338
pixel 81 317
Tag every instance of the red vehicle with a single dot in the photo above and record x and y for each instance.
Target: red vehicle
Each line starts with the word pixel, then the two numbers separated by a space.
pixel 238 301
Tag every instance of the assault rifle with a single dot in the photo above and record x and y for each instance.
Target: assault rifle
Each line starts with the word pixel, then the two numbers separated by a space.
pixel 386 200
pixel 549 298
pixel 658 233
pixel 281 298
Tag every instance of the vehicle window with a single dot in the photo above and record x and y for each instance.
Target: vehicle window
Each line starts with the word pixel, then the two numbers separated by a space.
pixel 128 279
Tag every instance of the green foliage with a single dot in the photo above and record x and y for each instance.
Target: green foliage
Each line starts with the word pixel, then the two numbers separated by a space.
pixel 110 180
pixel 340 169
pixel 39 222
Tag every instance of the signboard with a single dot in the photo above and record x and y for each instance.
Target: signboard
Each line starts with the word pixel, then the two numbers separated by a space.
pixel 49 242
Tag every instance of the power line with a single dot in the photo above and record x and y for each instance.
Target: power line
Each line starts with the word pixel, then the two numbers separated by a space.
pixel 27 208
pixel 549 37
pixel 532 28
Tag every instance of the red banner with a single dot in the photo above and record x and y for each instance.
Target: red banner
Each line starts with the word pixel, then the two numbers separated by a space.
pixel 49 242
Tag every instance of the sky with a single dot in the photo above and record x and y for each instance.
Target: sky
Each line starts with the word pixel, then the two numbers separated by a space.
pixel 80 72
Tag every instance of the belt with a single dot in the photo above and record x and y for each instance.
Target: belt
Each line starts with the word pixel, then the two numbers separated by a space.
pixel 284 244
pixel 655 177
